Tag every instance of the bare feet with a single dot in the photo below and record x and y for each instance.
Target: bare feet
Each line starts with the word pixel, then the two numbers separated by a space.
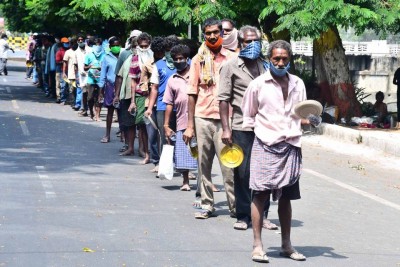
pixel 185 187
pixel 215 189
pixel 155 169
pixel 145 161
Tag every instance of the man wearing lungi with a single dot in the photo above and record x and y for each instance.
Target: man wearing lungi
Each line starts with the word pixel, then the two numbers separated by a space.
pixel 276 160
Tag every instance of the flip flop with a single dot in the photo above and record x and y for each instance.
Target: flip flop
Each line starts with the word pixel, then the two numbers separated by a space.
pixel 192 176
pixel 205 214
pixel 185 188
pixel 267 224
pixel 105 140
pixel 294 255
pixel 240 225
pixel 124 148
pixel 124 154
pixel 260 256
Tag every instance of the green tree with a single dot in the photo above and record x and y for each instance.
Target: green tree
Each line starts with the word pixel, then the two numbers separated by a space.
pixel 320 20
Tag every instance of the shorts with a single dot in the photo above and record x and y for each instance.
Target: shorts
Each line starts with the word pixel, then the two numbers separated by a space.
pixel 127 120
pixel 291 192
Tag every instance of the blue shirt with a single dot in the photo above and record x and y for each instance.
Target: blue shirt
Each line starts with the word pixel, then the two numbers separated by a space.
pixel 93 74
pixel 163 73
pixel 108 69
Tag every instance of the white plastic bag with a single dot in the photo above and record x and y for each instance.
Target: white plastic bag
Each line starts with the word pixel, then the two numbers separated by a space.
pixel 166 165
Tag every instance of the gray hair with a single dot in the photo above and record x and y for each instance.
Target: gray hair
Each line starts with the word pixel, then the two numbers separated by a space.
pixel 279 44
pixel 248 28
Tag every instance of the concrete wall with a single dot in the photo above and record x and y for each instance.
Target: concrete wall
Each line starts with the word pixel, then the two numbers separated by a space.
pixel 370 72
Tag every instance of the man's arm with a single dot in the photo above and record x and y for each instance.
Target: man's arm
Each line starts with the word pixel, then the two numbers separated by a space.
pixel 167 115
pixel 189 133
pixel 133 92
pixel 224 114
pixel 224 97
pixel 118 84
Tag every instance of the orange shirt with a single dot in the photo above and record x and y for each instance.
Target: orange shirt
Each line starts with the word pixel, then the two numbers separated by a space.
pixel 207 105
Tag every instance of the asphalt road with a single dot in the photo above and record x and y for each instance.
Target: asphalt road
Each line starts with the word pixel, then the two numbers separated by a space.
pixel 62 191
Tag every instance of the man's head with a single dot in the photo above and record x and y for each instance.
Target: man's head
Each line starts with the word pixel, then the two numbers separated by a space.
pixel 379 96
pixel 115 45
pixel 279 54
pixel 65 42
pixel 81 41
pixel 73 43
pixel 180 54
pixel 3 36
pixel 144 41
pixel 170 41
pixel 227 26
pixel 248 34
pixel 212 28
pixel 158 47
pixel 133 34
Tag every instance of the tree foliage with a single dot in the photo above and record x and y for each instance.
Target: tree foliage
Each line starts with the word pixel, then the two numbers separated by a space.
pixel 312 17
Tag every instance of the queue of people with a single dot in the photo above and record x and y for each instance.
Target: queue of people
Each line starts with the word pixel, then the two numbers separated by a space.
pixel 219 93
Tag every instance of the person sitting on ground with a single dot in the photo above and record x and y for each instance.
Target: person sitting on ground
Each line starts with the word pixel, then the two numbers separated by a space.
pixel 380 109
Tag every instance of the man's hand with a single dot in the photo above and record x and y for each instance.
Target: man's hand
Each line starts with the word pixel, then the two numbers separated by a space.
pixel 148 112
pixel 116 100
pixel 188 135
pixel 168 132
pixel 132 106
pixel 227 137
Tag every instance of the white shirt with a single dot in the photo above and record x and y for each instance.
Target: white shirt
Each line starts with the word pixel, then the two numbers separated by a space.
pixel 80 60
pixel 4 48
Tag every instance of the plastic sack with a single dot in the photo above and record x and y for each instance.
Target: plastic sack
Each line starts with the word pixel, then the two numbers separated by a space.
pixel 166 164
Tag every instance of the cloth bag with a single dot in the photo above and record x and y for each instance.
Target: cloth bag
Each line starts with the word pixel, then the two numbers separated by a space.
pixel 166 164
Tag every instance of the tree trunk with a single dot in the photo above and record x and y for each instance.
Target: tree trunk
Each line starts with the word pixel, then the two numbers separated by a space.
pixel 333 74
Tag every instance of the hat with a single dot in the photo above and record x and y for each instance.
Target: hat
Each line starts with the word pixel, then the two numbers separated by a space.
pixel 307 107
pixel 134 33
pixel 64 40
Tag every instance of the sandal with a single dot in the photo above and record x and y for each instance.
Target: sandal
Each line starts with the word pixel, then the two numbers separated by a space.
pixel 267 224
pixel 240 225
pixel 260 256
pixel 105 139
pixel 185 187
pixel 294 255
pixel 124 148
pixel 192 176
pixel 205 214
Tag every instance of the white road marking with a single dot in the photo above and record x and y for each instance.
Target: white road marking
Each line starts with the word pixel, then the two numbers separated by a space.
pixel 24 128
pixel 46 183
pixel 14 104
pixel 353 189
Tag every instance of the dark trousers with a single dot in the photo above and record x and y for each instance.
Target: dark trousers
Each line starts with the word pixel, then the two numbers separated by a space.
pixel 160 125
pixel 241 176
pixel 398 103
pixel 153 140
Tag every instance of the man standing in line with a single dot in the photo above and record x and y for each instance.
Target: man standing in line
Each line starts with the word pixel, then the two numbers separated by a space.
pixel 235 77
pixel 61 85
pixel 69 72
pixel 230 35
pixel 81 52
pixel 203 115
pixel 276 161
pixel 3 53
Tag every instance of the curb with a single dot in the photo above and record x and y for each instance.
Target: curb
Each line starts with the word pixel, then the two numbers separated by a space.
pixel 385 141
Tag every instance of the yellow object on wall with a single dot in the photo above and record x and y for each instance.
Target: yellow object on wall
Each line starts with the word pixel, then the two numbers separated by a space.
pixel 18 43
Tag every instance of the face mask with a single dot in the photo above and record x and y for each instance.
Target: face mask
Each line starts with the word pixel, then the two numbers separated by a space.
pixel 65 45
pixel 142 50
pixel 115 49
pixel 81 45
pixel 169 60
pixel 97 49
pixel 74 47
pixel 180 66
pixel 279 72
pixel 251 51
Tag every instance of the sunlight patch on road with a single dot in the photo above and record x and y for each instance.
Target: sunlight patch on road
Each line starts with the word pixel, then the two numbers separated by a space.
pixel 14 104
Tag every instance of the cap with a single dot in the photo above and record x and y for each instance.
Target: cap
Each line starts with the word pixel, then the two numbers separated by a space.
pixel 135 33
pixel 64 40
pixel 35 34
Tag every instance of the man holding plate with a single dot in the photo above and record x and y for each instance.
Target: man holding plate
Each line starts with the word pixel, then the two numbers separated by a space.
pixel 268 106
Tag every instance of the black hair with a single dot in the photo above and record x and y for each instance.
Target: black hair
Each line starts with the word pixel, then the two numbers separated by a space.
pixel 170 41
pixel 158 44
pixel 230 21
pixel 211 21
pixel 144 36
pixel 3 35
pixel 112 40
pixel 193 46
pixel 380 94
pixel 279 44
pixel 98 40
pixel 80 35
pixel 179 49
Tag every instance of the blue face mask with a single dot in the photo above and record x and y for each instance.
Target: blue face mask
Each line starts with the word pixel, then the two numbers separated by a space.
pixel 279 72
pixel 97 49
pixel 251 51
pixel 65 45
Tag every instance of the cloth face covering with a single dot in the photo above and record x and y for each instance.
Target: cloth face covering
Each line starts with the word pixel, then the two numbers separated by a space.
pixel 144 55
pixel 231 41
pixel 279 72
pixel 216 46
pixel 97 50
pixel 180 65
pixel 169 60
pixel 115 50
pixel 251 51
